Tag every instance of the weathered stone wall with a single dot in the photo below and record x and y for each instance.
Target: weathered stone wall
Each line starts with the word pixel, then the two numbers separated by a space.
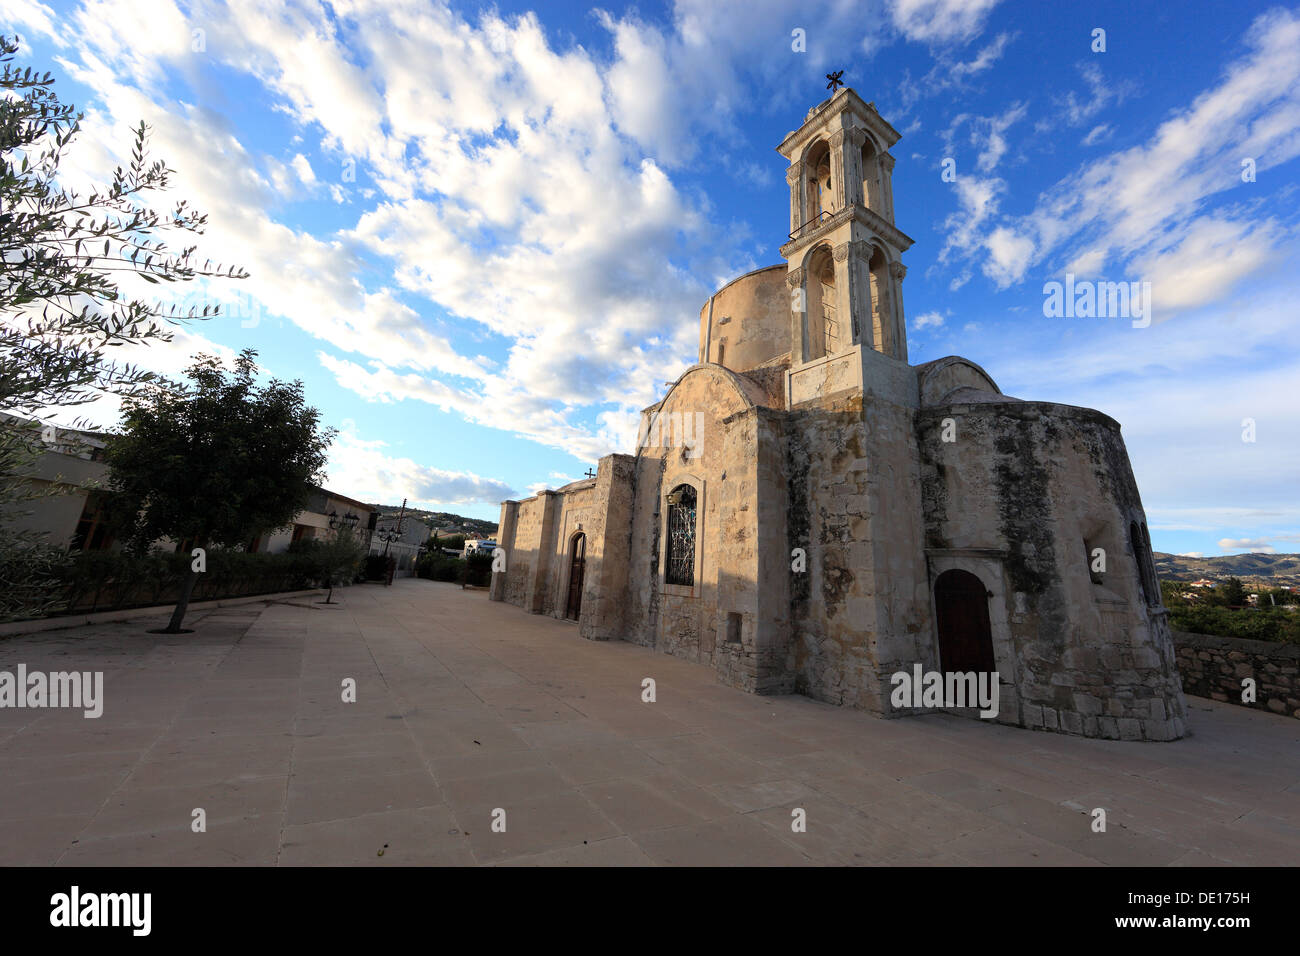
pixel 1214 667
pixel 694 622
pixel 1024 494
pixel 772 643
pixel 943 376
pixel 523 550
pixel 737 504
pixel 862 610
pixel 746 323
pixel 576 506
pixel 770 377
pixel 539 536
pixel 604 593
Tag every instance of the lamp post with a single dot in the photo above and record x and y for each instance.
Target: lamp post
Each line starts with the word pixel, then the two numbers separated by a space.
pixel 394 533
pixel 388 536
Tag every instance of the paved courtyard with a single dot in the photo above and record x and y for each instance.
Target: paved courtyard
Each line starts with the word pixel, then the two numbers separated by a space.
pixel 465 707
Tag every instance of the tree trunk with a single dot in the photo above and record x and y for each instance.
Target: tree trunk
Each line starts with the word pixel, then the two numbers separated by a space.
pixel 178 615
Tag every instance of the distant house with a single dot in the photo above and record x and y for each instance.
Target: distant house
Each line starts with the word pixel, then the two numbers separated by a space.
pixel 69 475
pixel 313 522
pixel 1203 583
pixel 72 477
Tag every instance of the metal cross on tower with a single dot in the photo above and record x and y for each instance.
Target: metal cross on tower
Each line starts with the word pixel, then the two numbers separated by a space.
pixel 835 81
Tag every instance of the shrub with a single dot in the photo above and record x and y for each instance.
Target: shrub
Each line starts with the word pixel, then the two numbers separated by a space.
pixel 1265 624
pixel 436 566
pixel 477 570
pixel 112 580
pixel 32 575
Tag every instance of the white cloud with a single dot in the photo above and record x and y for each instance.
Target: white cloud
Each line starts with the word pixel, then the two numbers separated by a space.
pixel 360 469
pixel 1252 545
pixel 36 17
pixel 927 320
pixel 1206 258
pixel 1009 255
pixel 1076 111
pixel 302 167
pixel 949 75
pixel 987 133
pixel 1098 134
pixel 940 21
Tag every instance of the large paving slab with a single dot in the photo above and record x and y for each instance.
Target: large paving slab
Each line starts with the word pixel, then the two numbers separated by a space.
pixel 469 713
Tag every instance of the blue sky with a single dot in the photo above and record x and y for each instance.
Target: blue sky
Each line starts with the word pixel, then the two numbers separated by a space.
pixel 481 234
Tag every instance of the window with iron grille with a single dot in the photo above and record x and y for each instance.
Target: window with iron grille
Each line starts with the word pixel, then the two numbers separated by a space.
pixel 681 536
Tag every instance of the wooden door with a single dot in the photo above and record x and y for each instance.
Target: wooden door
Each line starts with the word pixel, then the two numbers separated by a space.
pixel 577 568
pixel 965 636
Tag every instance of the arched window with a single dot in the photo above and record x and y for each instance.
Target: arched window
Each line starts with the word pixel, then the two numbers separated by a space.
pixel 818 165
pixel 871 191
pixel 824 333
pixel 882 326
pixel 1156 597
pixel 681 536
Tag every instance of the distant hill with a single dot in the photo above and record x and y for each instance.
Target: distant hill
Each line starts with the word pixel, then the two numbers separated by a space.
pixel 441 519
pixel 1274 569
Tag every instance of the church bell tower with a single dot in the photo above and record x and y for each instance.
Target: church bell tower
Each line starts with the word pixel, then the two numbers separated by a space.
pixel 844 252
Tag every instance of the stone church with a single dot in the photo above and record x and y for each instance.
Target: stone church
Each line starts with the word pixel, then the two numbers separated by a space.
pixel 806 512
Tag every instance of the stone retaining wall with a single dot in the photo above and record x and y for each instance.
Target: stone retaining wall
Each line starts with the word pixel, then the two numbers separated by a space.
pixel 1215 667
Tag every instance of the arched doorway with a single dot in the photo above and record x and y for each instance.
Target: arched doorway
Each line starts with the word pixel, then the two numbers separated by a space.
pixel 577 567
pixel 962 610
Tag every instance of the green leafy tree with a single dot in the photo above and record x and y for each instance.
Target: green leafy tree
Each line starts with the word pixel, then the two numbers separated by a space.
pixel 1173 592
pixel 341 558
pixel 62 255
pixel 1234 592
pixel 215 462
pixel 1276 597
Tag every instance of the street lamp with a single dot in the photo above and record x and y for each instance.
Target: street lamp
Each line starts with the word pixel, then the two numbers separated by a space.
pixel 348 521
pixel 388 536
